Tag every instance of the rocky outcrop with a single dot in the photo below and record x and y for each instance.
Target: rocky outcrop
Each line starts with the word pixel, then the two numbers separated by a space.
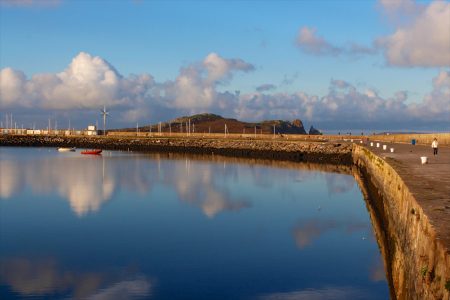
pixel 314 131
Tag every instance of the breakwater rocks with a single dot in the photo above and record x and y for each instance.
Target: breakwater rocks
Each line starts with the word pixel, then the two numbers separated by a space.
pixel 320 152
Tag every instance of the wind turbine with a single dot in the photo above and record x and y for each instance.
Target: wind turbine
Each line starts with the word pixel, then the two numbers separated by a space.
pixel 104 113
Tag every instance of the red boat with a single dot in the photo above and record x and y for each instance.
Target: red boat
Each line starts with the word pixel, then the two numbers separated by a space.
pixel 94 151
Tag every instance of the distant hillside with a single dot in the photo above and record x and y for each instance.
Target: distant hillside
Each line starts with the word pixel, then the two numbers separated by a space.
pixel 204 123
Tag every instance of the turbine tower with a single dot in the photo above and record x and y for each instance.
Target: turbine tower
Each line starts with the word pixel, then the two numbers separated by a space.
pixel 104 113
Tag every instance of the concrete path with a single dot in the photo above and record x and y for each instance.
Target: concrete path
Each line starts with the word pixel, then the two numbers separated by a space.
pixel 429 183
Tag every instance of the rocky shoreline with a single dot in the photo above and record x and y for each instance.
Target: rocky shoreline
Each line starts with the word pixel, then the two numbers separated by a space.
pixel 320 152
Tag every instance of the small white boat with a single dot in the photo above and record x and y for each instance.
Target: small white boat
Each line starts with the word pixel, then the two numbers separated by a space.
pixel 66 149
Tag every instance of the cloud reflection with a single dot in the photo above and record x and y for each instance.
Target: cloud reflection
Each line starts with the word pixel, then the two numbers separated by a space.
pixel 335 293
pixel 204 181
pixel 305 232
pixel 9 184
pixel 81 181
pixel 44 277
pixel 196 183
pixel 377 271
pixel 339 184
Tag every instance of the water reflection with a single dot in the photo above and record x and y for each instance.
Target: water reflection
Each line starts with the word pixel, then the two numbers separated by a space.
pixel 9 184
pixel 45 277
pixel 377 271
pixel 305 232
pixel 81 181
pixel 89 182
pixel 335 293
pixel 204 226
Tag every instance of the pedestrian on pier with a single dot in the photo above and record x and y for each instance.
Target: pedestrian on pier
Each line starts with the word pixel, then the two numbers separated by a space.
pixel 435 145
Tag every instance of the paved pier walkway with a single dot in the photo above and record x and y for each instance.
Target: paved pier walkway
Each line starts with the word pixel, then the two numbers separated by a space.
pixel 429 183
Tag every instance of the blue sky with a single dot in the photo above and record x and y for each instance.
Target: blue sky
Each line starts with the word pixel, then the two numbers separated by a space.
pixel 163 38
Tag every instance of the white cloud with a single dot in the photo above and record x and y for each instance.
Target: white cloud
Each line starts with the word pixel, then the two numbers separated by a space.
pixel 425 42
pixel 309 42
pixel 399 6
pixel 345 103
pixel 219 68
pixel 436 104
pixel 12 83
pixel 90 82
pixel 420 38
pixel 195 88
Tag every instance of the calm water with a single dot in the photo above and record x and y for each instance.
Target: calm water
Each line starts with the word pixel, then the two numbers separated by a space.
pixel 137 226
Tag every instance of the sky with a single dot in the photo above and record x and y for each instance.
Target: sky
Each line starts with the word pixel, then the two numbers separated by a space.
pixel 360 65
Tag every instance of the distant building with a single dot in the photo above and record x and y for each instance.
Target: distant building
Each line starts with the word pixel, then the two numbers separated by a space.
pixel 91 130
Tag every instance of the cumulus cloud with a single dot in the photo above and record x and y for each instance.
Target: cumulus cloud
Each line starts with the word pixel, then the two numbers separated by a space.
pixel 436 104
pixel 425 42
pixel 399 6
pixel 89 82
pixel 195 87
pixel 12 87
pixel 310 42
pixel 420 37
pixel 345 103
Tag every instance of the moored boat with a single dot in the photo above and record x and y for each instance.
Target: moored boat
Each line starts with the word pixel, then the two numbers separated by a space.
pixel 66 149
pixel 93 151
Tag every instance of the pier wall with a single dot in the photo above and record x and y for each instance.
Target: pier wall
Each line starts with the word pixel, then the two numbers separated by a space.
pixel 417 262
pixel 421 138
pixel 319 152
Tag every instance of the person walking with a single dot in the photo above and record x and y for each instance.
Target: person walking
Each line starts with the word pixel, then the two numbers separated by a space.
pixel 435 145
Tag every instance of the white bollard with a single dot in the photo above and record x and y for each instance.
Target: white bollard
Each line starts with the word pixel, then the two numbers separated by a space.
pixel 378 145
pixel 360 142
pixel 371 144
pixel 392 150
pixel 424 159
pixel 384 147
pixel 351 140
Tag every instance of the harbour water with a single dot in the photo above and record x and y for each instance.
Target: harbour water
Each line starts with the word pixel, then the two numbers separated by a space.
pixel 163 226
